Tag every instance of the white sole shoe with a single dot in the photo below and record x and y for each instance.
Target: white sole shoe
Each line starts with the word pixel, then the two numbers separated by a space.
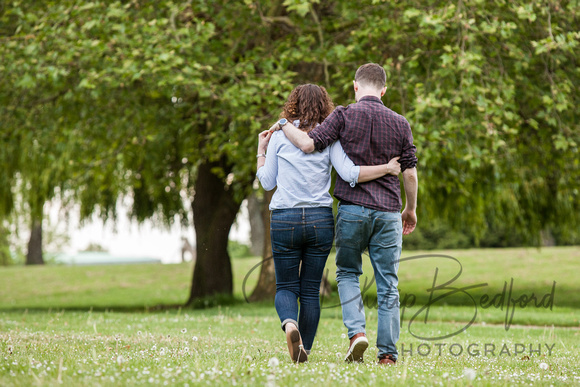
pixel 357 349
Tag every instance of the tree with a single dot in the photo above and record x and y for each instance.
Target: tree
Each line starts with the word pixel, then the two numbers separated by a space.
pixel 162 101
pixel 150 121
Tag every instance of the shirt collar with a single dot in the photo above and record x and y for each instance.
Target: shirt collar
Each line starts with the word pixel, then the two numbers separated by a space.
pixel 371 98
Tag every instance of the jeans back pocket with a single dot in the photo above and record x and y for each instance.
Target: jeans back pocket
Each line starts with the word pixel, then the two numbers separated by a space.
pixel 324 237
pixel 282 239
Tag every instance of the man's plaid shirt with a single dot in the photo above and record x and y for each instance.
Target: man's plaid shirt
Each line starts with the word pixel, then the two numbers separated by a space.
pixel 370 134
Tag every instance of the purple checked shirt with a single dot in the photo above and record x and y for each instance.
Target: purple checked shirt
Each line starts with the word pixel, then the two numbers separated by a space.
pixel 370 134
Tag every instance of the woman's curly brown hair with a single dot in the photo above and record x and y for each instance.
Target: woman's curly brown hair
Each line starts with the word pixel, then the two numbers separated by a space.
pixel 308 103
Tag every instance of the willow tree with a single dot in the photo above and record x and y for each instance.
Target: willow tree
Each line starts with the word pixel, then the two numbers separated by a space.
pixel 490 90
pixel 159 101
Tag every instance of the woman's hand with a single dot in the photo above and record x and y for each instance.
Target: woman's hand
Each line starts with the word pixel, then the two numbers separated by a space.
pixel 263 140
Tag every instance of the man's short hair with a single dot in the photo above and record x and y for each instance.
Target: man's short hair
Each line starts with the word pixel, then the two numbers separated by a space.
pixel 371 74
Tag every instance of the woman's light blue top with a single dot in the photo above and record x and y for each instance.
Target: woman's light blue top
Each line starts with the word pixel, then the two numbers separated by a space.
pixel 303 179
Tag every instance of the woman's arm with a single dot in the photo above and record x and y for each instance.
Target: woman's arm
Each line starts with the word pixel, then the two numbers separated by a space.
pixel 371 172
pixel 267 165
pixel 353 174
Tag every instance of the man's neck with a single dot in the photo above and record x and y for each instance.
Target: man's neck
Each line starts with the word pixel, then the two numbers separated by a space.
pixel 360 96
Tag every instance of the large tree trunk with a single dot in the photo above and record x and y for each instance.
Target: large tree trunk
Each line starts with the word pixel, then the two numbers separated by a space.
pixel 266 287
pixel 214 211
pixel 257 229
pixel 34 254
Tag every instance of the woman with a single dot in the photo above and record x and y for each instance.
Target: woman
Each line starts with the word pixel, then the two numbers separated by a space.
pixel 302 224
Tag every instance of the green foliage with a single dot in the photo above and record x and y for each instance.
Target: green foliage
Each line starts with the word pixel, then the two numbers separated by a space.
pixel 104 99
pixel 436 235
pixel 5 255
pixel 95 247
pixel 238 250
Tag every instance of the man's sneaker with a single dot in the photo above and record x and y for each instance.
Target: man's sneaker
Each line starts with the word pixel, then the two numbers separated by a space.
pixel 358 346
pixel 387 360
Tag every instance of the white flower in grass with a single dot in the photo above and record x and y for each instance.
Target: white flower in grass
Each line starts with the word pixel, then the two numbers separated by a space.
pixel 445 375
pixel 154 348
pixel 186 349
pixel 194 338
pixel 184 330
pixel 343 336
pixel 120 360
pixel 469 374
pixel 274 362
pixel 138 333
pixel 544 366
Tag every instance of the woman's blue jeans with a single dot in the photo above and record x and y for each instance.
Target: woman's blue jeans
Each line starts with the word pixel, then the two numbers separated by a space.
pixel 301 241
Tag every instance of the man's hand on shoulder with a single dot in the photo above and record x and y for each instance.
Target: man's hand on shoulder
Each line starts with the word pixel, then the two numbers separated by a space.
pixel 393 166
pixel 296 136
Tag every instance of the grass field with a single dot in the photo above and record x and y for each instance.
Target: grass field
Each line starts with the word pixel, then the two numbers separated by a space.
pixel 99 325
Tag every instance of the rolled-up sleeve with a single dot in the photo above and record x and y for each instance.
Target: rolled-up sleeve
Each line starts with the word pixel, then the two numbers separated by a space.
pixel 408 158
pixel 268 173
pixel 343 164
pixel 329 131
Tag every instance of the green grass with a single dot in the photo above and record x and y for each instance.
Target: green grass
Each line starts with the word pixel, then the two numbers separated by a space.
pixel 99 325
pixel 237 345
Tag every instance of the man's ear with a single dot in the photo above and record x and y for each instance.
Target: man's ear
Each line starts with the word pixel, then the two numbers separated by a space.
pixel 383 91
pixel 355 86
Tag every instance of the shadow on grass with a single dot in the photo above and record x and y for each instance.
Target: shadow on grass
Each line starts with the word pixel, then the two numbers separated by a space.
pixel 201 303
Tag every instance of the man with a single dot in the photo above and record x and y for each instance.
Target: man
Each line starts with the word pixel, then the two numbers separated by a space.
pixel 369 213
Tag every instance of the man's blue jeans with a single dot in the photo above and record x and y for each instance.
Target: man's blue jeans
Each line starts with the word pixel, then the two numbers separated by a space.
pixel 359 228
pixel 300 236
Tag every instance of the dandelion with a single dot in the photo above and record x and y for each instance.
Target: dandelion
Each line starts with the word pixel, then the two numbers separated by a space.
pixel 186 349
pixel 184 330
pixel 343 336
pixel 248 358
pixel 544 366
pixel 273 362
pixel 138 333
pixel 194 338
pixel 120 360
pixel 154 348
pixel 469 374
pixel 445 375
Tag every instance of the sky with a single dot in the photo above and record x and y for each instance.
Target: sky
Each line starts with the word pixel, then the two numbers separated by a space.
pixel 127 238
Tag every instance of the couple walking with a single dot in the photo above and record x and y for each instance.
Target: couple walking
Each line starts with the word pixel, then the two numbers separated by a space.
pixel 368 145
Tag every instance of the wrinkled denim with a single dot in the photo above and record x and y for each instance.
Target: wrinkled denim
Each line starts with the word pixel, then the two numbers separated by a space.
pixel 359 228
pixel 300 236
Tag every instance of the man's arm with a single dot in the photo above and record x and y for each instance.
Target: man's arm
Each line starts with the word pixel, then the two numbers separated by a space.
pixel 296 136
pixel 409 215
pixel 318 138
